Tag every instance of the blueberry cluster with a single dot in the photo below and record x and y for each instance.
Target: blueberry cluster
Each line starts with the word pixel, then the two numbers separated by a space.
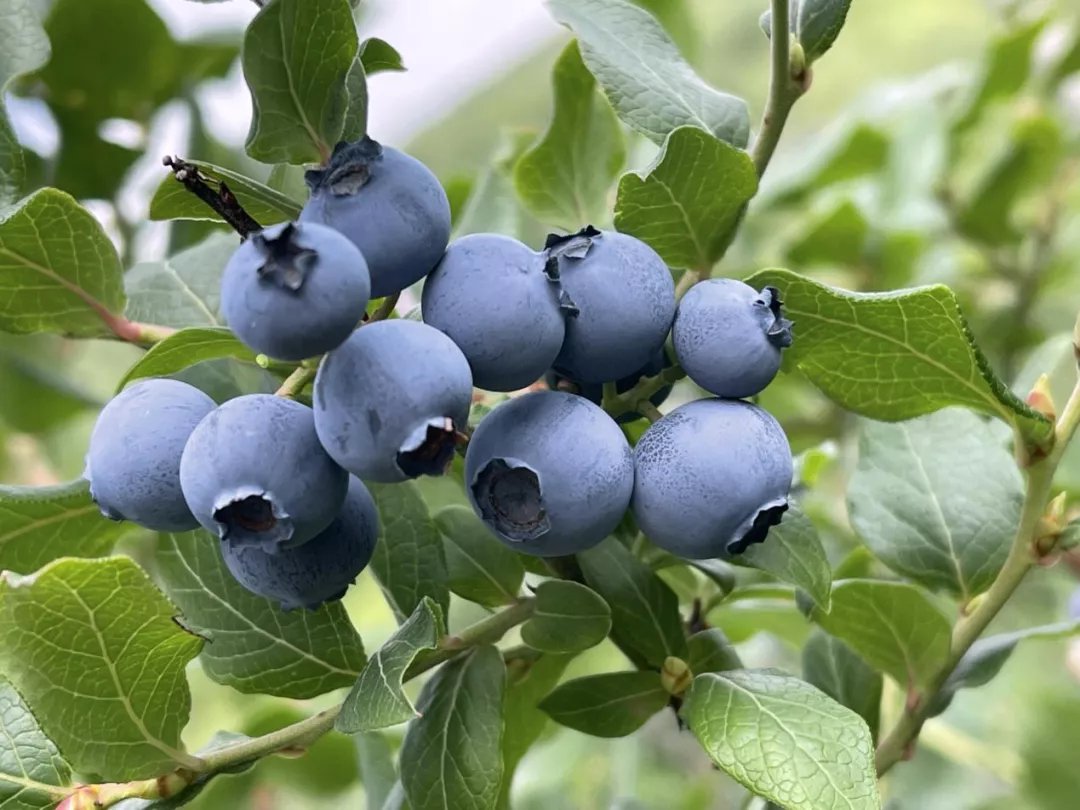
pixel 549 472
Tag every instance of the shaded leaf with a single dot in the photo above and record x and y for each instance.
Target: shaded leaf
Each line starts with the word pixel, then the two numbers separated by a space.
pixel 172 200
pixel 33 774
pixel 711 651
pixel 567 617
pixel 254 645
pixel 186 348
pixel 649 84
pixel 783 739
pixel 377 700
pixel 610 705
pixel 837 236
pixel 377 55
pixel 478 566
pixel 831 666
pixel 793 552
pixel 95 648
pixel 818 23
pixel 377 770
pixel 895 355
pixel 23 49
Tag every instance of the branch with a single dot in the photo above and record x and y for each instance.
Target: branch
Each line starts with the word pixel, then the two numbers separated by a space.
pixel 897 744
pixel 221 200
pixel 786 84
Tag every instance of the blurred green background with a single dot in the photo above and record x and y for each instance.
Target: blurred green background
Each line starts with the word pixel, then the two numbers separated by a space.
pixel 938 144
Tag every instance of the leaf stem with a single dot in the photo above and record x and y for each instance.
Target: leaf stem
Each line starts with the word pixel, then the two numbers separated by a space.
pixel 785 87
pixel 896 745
pixel 296 382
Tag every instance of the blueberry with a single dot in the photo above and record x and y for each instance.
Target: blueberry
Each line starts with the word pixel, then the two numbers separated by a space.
pixel 625 301
pixel 389 204
pixel 254 473
pixel 320 570
pixel 491 296
pixel 711 477
pixel 390 401
pixel 295 291
pixel 594 392
pixel 133 464
pixel 549 473
pixel 728 336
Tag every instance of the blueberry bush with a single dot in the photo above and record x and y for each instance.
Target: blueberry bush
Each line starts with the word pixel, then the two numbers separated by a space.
pixel 413 489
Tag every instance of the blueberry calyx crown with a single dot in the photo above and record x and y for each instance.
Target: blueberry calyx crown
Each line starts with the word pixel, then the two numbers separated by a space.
pixel 759 529
pixel 510 500
pixel 777 327
pixel 287 263
pixel 348 170
pixel 570 246
pixel 430 449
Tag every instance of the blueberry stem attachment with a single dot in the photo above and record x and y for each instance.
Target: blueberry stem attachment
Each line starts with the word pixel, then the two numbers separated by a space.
pixel 296 382
pixel 648 410
pixel 630 401
pixel 386 308
pixel 1024 554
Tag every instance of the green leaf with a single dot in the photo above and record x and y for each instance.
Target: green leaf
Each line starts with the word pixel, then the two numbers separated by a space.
pixel 298 80
pixel 36 396
pixel 937 499
pixel 479 567
pixel 711 651
pixel 687 204
pixel 893 626
pixel 186 348
pixel 1007 68
pixel 644 611
pixel 33 774
pixel 96 649
pixel 853 151
pixel 793 552
pixel 377 770
pixel 23 49
pixel 42 524
pixel 831 666
pixel 568 617
pixel 784 740
pixel 378 55
pixel 742 619
pixel 255 646
pixel 565 177
pixel 835 237
pixel 528 680
pixel 650 85
pixel 173 201
pixel 408 560
pixel 914 344
pixel 58 270
pixel 355 124
pixel 377 700
pixel 610 705
pixel 985 658
pixel 818 25
pixel 183 290
pixel 452 753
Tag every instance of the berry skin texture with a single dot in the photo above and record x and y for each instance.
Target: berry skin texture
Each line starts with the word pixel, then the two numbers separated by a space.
pixel 389 204
pixel 710 478
pixel 133 464
pixel 594 392
pixel 491 296
pixel 322 569
pixel 625 299
pixel 728 336
pixel 389 402
pixel 254 474
pixel 295 291
pixel 549 473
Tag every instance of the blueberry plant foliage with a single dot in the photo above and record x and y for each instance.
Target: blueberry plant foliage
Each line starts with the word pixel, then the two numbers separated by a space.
pixel 880 572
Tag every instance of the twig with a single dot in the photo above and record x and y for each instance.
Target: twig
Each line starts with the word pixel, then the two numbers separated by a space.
pixel 296 382
pixel 785 87
pixel 221 200
pixel 386 308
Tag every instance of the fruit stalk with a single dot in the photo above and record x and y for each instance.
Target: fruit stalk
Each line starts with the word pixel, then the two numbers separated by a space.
pixel 897 744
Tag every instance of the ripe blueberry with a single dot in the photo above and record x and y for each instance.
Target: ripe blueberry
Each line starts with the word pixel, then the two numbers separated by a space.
pixel 491 296
pixel 295 291
pixel 320 570
pixel 389 401
pixel 133 464
pixel 728 336
pixel 711 477
pixel 389 204
pixel 625 301
pixel 549 473
pixel 594 392
pixel 254 473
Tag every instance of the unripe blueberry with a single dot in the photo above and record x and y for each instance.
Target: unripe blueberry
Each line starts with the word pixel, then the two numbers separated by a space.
pixel 254 474
pixel 549 473
pixel 711 477
pixel 389 204
pixel 133 464
pixel 391 400
pixel 728 336
pixel 625 301
pixel 490 294
pixel 295 291
pixel 320 570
